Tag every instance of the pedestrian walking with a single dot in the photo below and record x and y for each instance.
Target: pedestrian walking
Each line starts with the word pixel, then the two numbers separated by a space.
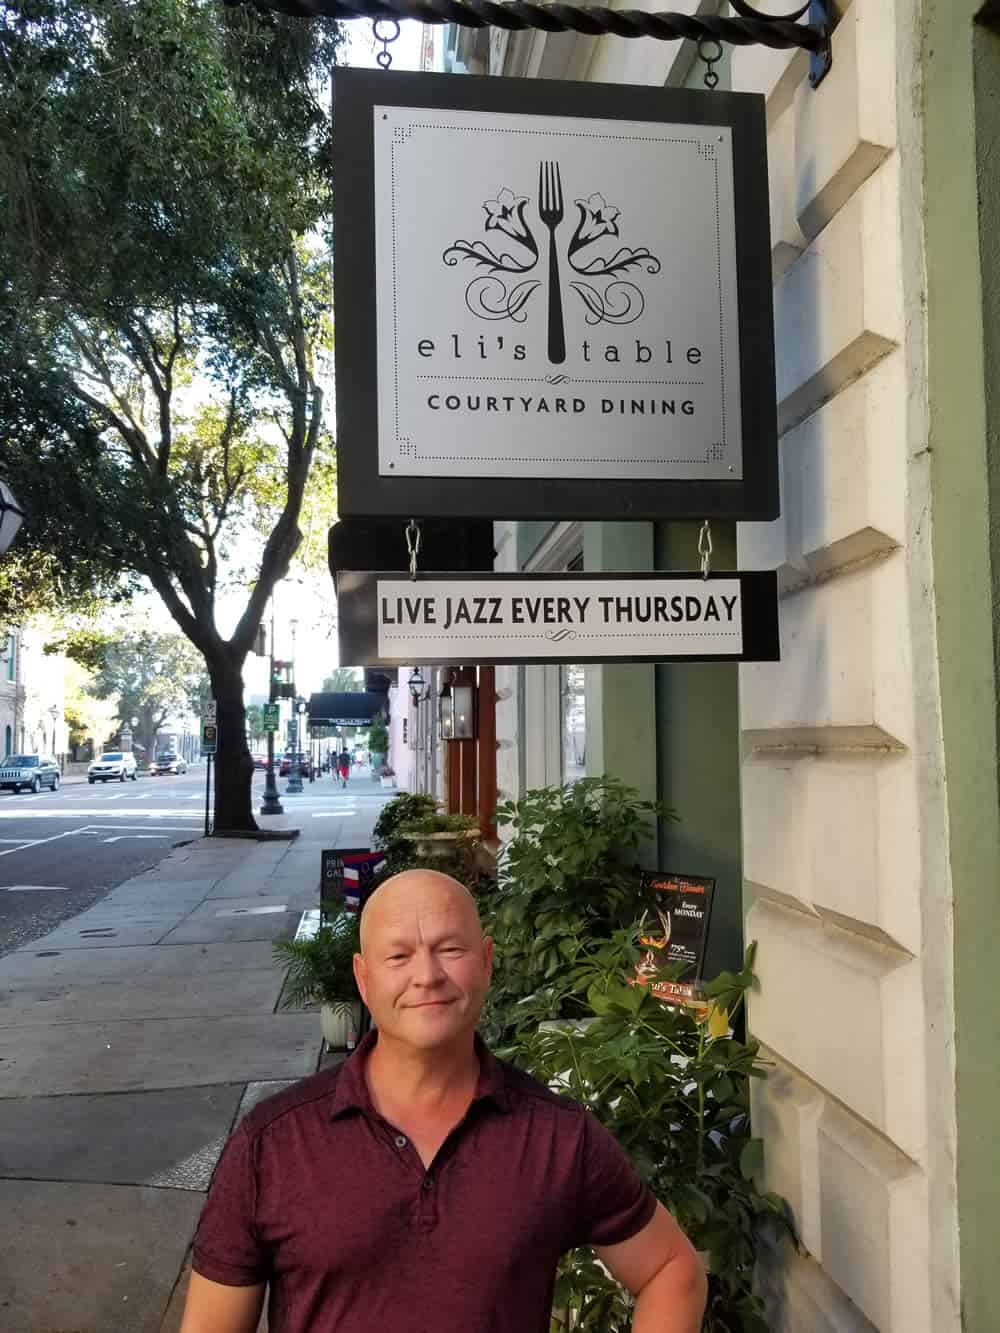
pixel 344 765
pixel 424 1183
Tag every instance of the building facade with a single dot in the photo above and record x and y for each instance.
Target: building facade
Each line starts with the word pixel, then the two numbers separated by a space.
pixel 846 798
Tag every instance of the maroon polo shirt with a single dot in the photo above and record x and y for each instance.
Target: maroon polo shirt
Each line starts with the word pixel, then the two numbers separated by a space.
pixel 318 1195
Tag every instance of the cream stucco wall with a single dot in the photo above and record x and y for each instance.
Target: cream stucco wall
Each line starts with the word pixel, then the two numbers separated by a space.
pixel 844 816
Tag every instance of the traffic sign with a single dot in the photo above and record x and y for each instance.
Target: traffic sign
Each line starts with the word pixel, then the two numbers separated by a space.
pixel 209 738
pixel 271 712
pixel 210 713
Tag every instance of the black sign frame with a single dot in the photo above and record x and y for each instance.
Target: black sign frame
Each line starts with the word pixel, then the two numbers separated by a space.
pixel 362 491
pixel 357 626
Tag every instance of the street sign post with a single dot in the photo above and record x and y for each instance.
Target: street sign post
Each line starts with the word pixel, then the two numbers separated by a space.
pixel 209 738
pixel 271 712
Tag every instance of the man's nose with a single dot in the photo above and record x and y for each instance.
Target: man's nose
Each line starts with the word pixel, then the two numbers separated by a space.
pixel 427 969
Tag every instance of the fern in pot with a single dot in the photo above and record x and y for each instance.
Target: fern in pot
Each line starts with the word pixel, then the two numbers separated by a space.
pixel 321 971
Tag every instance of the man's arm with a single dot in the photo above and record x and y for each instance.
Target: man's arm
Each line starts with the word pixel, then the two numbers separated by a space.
pixel 214 1308
pixel 661 1269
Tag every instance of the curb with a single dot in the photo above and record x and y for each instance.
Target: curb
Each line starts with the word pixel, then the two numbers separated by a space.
pixel 261 835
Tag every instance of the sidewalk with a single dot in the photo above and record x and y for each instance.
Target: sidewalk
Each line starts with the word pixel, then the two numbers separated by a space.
pixel 132 1038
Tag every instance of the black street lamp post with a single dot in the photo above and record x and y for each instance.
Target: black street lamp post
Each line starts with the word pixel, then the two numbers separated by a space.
pixel 271 804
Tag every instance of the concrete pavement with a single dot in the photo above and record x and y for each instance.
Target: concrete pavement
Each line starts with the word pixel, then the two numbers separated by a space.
pixel 132 1039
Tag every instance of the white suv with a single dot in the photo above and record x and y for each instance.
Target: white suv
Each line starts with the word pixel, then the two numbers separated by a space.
pixel 115 766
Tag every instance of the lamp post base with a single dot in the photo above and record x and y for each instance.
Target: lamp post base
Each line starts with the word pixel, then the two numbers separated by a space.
pixel 294 784
pixel 271 805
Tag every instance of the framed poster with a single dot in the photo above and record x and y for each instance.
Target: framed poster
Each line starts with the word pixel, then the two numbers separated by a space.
pixel 452 619
pixel 554 300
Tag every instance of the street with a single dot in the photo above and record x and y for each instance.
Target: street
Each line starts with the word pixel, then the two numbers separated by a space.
pixel 62 851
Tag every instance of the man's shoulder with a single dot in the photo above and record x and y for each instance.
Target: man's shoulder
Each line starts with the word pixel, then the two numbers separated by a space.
pixel 526 1092
pixel 300 1097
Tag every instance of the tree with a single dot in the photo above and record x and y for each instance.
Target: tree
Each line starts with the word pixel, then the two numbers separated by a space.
pixel 344 680
pixel 165 310
pixel 149 675
pixel 255 722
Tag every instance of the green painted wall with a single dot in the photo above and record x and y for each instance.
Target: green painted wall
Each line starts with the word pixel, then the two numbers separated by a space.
pixel 621 698
pixel 698 757
pixel 961 105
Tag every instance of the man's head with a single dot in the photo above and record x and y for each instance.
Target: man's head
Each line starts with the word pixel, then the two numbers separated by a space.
pixel 424 966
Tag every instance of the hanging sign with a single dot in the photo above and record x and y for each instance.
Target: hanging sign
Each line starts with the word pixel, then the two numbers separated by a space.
pixel 450 619
pixel 567 285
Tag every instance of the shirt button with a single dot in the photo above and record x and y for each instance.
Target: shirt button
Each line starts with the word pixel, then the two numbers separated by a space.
pixel 400 1140
pixel 428 1182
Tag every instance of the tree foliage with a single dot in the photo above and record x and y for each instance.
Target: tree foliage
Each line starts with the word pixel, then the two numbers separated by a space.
pixel 147 675
pixel 344 680
pixel 165 316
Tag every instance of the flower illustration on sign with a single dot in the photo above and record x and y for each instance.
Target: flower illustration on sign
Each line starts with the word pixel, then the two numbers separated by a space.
pixel 617 300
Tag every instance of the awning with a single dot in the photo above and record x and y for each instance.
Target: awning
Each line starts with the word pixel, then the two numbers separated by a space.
pixel 351 709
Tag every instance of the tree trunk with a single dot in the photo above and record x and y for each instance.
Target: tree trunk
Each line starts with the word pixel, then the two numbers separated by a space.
pixel 233 765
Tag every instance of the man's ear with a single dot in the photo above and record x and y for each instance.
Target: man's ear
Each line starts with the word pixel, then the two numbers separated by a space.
pixel 361 976
pixel 489 950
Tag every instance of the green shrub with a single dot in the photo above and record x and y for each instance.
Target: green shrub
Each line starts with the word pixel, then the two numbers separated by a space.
pixel 321 968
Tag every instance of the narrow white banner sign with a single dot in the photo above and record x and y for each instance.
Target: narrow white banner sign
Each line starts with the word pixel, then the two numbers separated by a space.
pixel 525 619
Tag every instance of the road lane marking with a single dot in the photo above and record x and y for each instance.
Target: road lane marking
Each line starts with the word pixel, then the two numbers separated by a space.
pixel 151 837
pixel 40 842
pixel 333 814
pixel 37 888
pixel 94 812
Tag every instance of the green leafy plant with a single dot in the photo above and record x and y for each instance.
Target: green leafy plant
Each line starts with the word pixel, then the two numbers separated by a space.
pixel 424 825
pixel 378 737
pixel 321 967
pixel 566 883
pixel 671 1083
pixel 402 809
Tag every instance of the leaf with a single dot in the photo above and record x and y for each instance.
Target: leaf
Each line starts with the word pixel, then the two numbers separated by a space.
pixel 718 1021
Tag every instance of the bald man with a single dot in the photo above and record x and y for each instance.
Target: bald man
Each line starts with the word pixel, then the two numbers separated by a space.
pixel 424 1186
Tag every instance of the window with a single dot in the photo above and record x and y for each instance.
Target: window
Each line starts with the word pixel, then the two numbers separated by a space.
pixel 572 685
pixel 11 661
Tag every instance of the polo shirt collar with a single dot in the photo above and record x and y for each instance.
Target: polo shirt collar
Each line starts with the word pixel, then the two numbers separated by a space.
pixel 351 1091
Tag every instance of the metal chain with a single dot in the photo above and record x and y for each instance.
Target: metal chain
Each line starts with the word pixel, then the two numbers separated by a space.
pixel 384 56
pixel 711 78
pixel 413 545
pixel 592 20
pixel 705 549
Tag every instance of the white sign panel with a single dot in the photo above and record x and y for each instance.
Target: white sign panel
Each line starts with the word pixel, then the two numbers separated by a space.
pixel 209 711
pixel 524 619
pixel 554 293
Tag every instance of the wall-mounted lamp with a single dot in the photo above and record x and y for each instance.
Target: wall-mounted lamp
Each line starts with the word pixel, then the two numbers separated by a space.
pixel 457 710
pixel 416 684
pixel 446 711
pixel 11 517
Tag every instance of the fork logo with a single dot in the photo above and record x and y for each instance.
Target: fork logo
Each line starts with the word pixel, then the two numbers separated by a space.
pixel 606 295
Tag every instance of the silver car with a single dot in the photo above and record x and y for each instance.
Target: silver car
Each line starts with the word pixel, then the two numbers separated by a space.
pixel 29 772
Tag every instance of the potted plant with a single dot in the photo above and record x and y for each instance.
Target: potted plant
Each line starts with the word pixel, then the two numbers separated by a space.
pixel 437 837
pixel 388 777
pixel 321 971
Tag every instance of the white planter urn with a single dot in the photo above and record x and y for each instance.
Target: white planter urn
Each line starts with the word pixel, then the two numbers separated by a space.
pixel 388 783
pixel 340 1024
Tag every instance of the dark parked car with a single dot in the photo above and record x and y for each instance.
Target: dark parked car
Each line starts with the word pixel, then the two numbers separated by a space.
pixel 286 765
pixel 29 772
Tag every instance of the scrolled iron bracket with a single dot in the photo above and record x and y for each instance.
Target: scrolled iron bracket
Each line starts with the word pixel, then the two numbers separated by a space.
pixel 749 28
